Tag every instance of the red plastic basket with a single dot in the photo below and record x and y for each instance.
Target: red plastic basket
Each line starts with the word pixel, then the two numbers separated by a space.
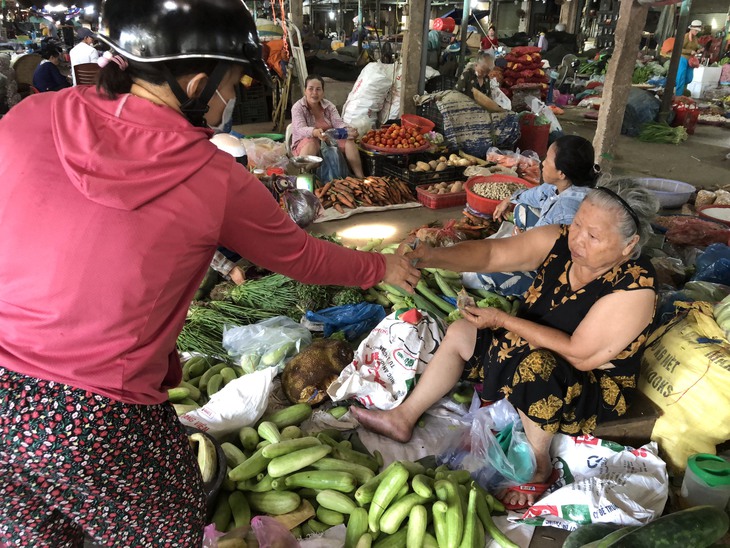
pixel 440 201
pixel 486 205
pixel 423 125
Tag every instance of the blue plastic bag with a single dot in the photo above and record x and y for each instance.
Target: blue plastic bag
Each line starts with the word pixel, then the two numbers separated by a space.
pixel 353 319
pixel 713 265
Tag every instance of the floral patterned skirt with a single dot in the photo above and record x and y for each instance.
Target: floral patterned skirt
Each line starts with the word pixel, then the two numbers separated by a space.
pixel 546 388
pixel 76 463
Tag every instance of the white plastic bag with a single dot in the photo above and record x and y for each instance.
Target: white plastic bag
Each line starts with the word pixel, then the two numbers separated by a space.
pixel 263 153
pixel 387 362
pixel 602 482
pixel 369 92
pixel 541 109
pixel 491 445
pixel 239 403
pixel 498 95
pixel 392 103
pixel 268 343
pixel 362 124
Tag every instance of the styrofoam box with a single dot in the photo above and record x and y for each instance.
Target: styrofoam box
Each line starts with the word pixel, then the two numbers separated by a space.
pixel 697 89
pixel 707 75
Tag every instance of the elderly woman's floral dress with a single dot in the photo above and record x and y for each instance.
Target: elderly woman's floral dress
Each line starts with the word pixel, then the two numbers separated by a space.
pixel 542 384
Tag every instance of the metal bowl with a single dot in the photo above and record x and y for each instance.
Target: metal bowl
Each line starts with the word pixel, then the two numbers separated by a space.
pixel 305 162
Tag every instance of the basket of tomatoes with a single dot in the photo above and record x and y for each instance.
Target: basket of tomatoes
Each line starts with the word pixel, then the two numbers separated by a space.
pixel 395 139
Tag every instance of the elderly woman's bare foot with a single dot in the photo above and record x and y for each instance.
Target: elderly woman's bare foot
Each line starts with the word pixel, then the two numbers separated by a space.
pixel 386 423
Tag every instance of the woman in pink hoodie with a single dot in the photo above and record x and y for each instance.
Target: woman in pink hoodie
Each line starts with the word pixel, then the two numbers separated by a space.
pixel 127 205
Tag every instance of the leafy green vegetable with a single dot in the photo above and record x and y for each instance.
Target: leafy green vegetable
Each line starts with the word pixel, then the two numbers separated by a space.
pixel 657 132
pixel 348 295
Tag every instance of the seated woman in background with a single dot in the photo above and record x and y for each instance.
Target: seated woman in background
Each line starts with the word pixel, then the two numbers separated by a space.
pixel 311 116
pixel 490 41
pixel 568 173
pixel 476 77
pixel 47 77
pixel 570 358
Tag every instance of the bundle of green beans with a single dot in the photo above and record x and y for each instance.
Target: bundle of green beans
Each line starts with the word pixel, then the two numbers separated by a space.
pixel 658 132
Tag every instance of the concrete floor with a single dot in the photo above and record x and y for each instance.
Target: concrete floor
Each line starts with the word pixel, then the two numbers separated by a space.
pixel 700 161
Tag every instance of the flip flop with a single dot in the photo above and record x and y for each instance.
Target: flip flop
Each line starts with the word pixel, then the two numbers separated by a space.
pixel 536 489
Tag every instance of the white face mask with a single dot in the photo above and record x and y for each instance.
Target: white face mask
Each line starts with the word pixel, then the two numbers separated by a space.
pixel 227 117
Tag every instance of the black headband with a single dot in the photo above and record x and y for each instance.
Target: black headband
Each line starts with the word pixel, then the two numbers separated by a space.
pixel 624 203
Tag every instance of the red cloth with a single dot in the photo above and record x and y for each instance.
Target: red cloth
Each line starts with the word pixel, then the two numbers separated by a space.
pixel 110 212
pixel 488 43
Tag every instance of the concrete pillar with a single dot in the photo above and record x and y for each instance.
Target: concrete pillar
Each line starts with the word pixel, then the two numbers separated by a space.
pixel 631 20
pixel 297 13
pixel 569 15
pixel 412 53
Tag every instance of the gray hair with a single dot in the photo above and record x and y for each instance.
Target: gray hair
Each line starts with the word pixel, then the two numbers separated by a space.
pixel 643 203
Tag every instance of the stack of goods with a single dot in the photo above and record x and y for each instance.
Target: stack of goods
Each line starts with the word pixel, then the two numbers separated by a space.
pixel 520 165
pixel 524 70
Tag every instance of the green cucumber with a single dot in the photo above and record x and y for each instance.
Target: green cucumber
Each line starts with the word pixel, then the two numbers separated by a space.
pixel 694 527
pixel 589 533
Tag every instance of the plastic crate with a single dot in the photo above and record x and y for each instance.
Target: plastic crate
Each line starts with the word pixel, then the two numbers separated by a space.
pixel 440 201
pixel 416 178
pixel 373 162
pixel 430 111
pixel 251 105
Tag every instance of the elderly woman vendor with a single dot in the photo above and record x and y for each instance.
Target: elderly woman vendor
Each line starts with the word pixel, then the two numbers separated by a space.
pixel 311 116
pixel 570 358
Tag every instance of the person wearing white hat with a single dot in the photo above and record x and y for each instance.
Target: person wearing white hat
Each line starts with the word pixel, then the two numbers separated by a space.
pixel 688 62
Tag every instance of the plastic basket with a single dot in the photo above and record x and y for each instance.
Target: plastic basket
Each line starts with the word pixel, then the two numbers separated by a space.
pixel 430 111
pixel 487 205
pixel 373 162
pixel 422 125
pixel 416 178
pixel 439 201
pixel 671 194
pixel 440 83
pixel 251 105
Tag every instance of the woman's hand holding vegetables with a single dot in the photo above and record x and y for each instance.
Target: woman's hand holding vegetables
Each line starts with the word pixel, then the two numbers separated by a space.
pixel 501 209
pixel 400 272
pixel 484 318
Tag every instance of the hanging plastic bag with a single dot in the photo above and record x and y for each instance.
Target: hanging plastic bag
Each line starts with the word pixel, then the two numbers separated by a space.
pixel 498 95
pixel 268 343
pixel 353 319
pixel 334 165
pixel 541 109
pixel 494 451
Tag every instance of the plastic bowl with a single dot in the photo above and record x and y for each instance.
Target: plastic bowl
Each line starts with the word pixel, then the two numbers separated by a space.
pixel 423 125
pixel 671 194
pixel 486 205
pixel 719 213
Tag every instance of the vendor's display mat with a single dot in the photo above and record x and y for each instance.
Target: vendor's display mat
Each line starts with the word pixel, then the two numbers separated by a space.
pixel 331 214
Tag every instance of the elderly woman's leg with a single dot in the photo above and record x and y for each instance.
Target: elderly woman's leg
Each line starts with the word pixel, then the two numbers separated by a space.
pixel 353 158
pixel 440 376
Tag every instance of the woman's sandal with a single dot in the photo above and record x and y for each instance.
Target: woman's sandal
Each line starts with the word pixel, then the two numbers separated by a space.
pixel 536 489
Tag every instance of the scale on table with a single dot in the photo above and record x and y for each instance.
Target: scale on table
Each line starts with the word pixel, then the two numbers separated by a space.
pixel 306 166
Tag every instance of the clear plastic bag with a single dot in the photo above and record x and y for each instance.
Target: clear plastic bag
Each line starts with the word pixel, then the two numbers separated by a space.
pixel 263 153
pixel 334 165
pixel 492 446
pixel 266 344
pixel 272 534
pixel 353 319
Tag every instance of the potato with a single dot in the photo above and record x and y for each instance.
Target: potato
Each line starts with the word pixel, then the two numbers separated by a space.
pixel 454 158
pixel 441 166
pixel 422 166
pixel 441 185
pixel 464 162
pixel 442 159
pixel 433 164
pixel 458 186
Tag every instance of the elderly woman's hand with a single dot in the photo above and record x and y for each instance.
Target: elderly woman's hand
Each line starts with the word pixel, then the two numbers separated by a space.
pixel 484 318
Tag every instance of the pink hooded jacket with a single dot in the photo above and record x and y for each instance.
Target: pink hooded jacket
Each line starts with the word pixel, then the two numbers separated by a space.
pixel 110 212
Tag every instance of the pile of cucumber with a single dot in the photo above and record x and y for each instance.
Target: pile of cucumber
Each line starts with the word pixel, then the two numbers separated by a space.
pixel 312 483
pixel 201 378
pixel 697 527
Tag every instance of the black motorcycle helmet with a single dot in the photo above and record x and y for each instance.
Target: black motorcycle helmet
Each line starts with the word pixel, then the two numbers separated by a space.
pixel 154 31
